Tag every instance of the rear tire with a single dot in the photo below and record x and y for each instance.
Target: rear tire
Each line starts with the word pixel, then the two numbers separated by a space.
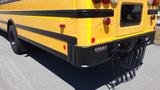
pixel 15 42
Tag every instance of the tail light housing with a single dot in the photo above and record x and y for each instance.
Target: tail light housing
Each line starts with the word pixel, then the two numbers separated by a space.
pixel 105 1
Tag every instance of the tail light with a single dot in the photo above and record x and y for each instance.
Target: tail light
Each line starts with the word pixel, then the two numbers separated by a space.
pixel 105 1
pixel 156 2
pixel 153 2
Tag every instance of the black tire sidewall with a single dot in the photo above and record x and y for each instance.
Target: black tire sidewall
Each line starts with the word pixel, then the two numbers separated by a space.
pixel 18 46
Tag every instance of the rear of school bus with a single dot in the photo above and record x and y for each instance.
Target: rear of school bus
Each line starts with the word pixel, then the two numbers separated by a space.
pixel 123 26
pixel 83 32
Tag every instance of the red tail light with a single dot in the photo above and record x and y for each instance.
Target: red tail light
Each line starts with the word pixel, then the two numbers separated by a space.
pixel 107 21
pixel 156 2
pixel 105 1
pixel 153 2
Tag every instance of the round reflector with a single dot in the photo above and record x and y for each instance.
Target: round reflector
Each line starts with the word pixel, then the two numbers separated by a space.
pixel 64 47
pixel 93 40
pixel 107 21
pixel 62 25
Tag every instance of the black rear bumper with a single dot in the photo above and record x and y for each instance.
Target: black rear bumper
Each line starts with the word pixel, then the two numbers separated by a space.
pixel 94 55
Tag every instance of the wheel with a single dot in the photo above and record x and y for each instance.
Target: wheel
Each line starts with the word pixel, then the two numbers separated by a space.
pixel 15 42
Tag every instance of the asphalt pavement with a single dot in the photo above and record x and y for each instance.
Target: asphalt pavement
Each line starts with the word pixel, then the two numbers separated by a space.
pixel 39 70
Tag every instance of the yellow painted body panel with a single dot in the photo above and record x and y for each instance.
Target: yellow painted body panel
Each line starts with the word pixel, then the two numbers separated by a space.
pixel 44 40
pixel 38 5
pixel 81 28
pixel 44 23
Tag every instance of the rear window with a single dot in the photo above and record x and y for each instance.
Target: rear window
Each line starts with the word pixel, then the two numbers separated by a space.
pixel 131 15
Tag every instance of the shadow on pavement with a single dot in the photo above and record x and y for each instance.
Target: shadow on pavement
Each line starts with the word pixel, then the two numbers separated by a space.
pixel 80 78
pixel 84 79
pixel 4 34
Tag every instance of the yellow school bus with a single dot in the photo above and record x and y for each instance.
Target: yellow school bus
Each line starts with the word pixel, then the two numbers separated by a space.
pixel 83 32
